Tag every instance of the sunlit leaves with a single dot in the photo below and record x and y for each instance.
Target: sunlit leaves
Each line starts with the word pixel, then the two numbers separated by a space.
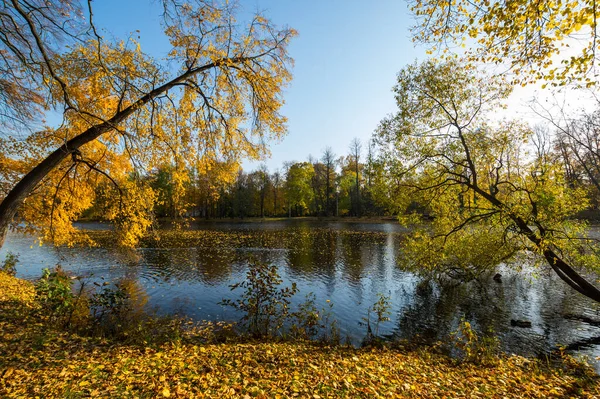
pixel 482 183
pixel 528 36
pixel 218 105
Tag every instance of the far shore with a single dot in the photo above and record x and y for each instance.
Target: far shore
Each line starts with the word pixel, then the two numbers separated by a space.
pixel 253 219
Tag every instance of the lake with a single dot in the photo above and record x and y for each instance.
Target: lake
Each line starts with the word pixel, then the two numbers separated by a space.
pixel 346 263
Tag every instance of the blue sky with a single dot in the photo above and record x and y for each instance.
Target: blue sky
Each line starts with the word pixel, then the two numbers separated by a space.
pixel 346 57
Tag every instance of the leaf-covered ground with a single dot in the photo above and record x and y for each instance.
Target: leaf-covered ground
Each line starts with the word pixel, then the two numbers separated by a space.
pixel 36 361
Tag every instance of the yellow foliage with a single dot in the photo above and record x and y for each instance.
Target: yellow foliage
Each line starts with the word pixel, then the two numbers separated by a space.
pixel 15 289
pixel 221 105
pixel 526 35
pixel 38 361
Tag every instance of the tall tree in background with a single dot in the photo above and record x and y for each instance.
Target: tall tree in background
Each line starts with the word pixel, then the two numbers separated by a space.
pixel 125 112
pixel 298 188
pixel 263 186
pixel 277 186
pixel 328 159
pixel 577 140
pixel 355 151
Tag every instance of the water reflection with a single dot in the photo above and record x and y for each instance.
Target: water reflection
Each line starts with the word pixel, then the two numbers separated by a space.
pixel 348 263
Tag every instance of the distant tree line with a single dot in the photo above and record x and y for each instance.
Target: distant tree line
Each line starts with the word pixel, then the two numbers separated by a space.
pixel 328 185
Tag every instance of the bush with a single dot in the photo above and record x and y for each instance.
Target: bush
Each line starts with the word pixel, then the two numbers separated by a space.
pixel 381 310
pixel 474 348
pixel 10 264
pixel 54 292
pixel 265 305
pixel 58 302
pixel 117 310
pixel 109 305
pixel 308 319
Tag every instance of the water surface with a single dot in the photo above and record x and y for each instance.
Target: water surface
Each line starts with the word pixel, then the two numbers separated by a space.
pixel 348 264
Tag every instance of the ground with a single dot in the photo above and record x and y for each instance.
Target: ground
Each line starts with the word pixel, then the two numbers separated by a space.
pixel 39 360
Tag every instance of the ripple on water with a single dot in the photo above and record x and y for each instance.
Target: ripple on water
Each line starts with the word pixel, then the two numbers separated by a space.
pixel 347 264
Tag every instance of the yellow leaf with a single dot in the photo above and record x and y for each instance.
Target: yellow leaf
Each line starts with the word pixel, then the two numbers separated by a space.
pixel 166 393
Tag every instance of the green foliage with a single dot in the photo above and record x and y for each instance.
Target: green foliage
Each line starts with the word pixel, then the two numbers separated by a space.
pixel 115 311
pixel 298 187
pixel 474 348
pixel 54 292
pixel 313 324
pixel 331 330
pixel 10 264
pixel 381 310
pixel 493 190
pixel 266 306
pixel 110 306
pixel 308 319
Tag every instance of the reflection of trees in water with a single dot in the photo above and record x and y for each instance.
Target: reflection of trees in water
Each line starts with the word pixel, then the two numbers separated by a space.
pixel 336 256
pixel 322 251
pixel 313 254
pixel 357 265
pixel 432 312
pixel 435 310
pixel 352 263
pixel 209 265
pixel 361 253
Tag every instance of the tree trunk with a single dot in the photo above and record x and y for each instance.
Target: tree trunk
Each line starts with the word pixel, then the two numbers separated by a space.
pixel 560 267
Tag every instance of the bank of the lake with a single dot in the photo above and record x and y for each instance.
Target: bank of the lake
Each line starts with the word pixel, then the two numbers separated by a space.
pixel 39 360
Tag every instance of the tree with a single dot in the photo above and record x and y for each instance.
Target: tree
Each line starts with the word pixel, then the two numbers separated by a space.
pixel 328 160
pixel 490 198
pixel 211 181
pixel 124 112
pixel 355 150
pixel 318 186
pixel 298 186
pixel 525 34
pixel 368 197
pixel 277 184
pixel 262 182
pixel 25 72
pixel 577 142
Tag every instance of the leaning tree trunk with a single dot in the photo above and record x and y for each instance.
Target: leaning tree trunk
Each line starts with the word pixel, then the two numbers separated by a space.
pixel 560 267
pixel 11 203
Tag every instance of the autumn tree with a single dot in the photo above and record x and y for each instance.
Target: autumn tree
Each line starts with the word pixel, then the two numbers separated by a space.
pixel 215 98
pixel 298 187
pixel 328 160
pixel 493 198
pixel 317 207
pixel 262 183
pixel 210 183
pixel 277 186
pixel 355 149
pixel 530 36
pixel 369 199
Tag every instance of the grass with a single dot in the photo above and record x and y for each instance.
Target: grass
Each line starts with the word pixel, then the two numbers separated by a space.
pixel 39 360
